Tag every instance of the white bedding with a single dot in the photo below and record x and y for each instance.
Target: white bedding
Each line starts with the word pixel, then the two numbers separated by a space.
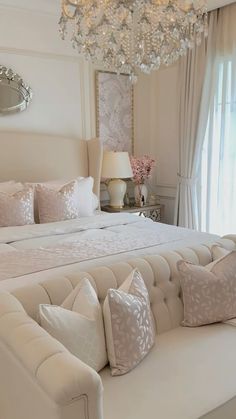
pixel 103 238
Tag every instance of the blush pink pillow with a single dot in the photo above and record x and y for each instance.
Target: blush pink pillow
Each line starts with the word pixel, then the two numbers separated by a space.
pixel 57 205
pixel 11 187
pixel 88 201
pixel 129 325
pixel 57 201
pixel 17 209
pixel 209 296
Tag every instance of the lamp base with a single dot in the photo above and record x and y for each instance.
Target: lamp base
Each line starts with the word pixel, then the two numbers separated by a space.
pixel 117 190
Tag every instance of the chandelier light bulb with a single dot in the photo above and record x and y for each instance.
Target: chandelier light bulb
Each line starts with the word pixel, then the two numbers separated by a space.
pixel 127 36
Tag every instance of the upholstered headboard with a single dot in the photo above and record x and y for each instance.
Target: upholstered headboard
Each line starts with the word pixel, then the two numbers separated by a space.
pixel 34 157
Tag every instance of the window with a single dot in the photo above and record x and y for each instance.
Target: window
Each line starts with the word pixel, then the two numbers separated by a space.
pixel 218 166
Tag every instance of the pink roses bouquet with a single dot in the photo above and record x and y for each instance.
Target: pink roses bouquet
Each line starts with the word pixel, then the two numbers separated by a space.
pixel 142 168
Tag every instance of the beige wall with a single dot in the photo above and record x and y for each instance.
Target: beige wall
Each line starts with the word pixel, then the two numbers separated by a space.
pixel 64 94
pixel 63 101
pixel 156 130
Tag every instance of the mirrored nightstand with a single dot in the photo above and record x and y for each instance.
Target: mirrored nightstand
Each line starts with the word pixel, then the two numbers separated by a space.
pixel 155 212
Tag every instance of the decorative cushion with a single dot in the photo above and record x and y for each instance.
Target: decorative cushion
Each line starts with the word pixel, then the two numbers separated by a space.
pixel 17 208
pixel 209 296
pixel 219 252
pixel 58 202
pixel 86 198
pixel 78 325
pixel 86 185
pixel 57 205
pixel 11 187
pixel 130 332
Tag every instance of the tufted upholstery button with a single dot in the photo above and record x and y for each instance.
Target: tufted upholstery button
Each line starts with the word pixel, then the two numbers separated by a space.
pixel 159 273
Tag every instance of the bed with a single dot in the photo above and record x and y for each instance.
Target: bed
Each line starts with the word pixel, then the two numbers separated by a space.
pixel 29 254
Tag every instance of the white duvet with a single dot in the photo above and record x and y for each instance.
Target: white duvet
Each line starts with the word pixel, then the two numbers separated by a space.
pixel 29 249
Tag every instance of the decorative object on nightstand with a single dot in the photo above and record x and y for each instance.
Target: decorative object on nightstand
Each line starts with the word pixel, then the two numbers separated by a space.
pixel 142 169
pixel 153 199
pixel 155 212
pixel 116 166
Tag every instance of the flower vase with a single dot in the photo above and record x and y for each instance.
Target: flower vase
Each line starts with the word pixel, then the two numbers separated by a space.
pixel 140 194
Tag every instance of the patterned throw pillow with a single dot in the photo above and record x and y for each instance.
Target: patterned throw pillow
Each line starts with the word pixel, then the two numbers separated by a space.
pixel 58 205
pixel 88 201
pixel 209 296
pixel 78 325
pixel 17 208
pixel 130 331
pixel 11 187
pixel 57 201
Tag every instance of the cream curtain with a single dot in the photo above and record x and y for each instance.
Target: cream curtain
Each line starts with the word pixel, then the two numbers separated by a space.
pixel 195 95
pixel 218 165
pixel 226 38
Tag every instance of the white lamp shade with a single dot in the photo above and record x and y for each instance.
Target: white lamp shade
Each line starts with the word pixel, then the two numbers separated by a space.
pixel 116 165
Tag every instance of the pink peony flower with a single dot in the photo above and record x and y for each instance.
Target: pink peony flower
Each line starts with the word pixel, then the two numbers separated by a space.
pixel 142 168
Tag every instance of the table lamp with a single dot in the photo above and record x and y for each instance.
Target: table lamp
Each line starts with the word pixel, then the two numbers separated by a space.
pixel 116 165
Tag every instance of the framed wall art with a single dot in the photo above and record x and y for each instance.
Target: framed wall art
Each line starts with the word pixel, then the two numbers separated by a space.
pixel 114 109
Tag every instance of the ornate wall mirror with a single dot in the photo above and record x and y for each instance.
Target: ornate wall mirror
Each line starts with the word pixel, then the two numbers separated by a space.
pixel 15 95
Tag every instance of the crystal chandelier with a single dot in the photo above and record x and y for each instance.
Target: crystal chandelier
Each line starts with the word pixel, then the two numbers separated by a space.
pixel 131 35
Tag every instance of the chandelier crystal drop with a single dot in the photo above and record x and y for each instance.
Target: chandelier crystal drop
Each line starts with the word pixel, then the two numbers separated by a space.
pixel 131 35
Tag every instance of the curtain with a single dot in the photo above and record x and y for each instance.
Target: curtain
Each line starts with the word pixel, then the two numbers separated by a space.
pixel 196 87
pixel 218 157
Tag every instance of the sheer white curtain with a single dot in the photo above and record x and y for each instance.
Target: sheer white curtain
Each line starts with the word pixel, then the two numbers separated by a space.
pixel 195 93
pixel 218 165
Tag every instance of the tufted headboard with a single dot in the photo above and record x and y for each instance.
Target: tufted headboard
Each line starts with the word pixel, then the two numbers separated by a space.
pixel 158 271
pixel 34 157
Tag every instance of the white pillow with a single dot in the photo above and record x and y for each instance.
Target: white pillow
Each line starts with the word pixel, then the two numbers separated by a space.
pixel 85 197
pixel 78 325
pixel 60 183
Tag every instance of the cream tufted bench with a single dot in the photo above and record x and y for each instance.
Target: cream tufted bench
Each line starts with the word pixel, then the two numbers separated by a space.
pixel 190 373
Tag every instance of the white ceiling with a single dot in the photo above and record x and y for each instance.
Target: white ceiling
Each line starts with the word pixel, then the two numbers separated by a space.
pixel 53 6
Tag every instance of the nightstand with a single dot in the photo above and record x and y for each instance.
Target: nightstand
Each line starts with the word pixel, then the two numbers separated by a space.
pixel 155 212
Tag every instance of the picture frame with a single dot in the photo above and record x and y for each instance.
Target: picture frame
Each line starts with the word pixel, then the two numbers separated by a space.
pixel 115 111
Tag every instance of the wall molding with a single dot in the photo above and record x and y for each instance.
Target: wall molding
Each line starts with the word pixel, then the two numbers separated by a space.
pixel 42 54
pixel 168 198
pixel 86 119
pixel 166 185
pixel 88 100
pixel 45 10
pixel 166 191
